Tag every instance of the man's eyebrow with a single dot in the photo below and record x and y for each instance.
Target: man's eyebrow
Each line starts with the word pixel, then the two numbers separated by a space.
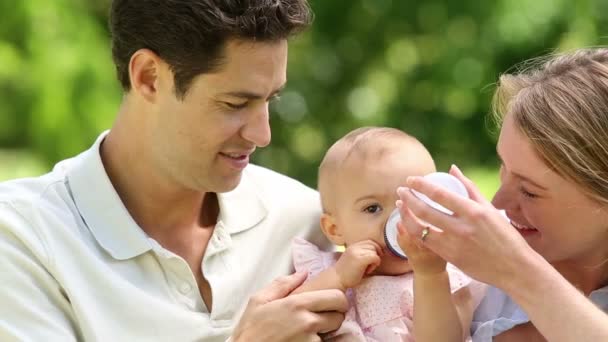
pixel 253 96
pixel 520 176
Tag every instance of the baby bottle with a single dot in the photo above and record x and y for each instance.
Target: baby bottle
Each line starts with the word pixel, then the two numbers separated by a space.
pixel 443 179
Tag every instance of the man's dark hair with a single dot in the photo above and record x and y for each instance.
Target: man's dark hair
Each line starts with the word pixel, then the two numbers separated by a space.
pixel 190 35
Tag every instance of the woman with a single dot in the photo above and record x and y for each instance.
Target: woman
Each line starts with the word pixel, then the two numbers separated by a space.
pixel 553 146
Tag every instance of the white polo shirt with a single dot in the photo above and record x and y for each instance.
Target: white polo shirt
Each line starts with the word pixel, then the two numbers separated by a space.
pixel 74 265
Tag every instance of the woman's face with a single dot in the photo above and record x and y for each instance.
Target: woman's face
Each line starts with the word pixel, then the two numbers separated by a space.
pixel 552 213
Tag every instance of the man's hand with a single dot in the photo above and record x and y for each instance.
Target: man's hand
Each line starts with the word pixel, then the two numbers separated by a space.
pixel 358 260
pixel 273 315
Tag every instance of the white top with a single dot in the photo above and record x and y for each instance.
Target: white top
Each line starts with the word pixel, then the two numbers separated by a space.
pixel 74 265
pixel 498 313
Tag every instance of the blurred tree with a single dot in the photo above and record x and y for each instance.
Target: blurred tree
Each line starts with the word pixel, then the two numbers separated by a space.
pixel 56 75
pixel 426 67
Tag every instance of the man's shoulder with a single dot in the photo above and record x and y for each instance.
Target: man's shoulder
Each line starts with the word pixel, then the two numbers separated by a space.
pixel 24 191
pixel 23 204
pixel 27 199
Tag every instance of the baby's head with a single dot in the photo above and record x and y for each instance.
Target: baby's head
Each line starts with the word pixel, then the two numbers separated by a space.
pixel 358 179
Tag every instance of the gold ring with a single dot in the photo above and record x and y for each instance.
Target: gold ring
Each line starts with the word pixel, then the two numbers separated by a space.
pixel 425 233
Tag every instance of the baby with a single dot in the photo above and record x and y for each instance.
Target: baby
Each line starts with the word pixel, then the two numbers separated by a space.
pixel 358 179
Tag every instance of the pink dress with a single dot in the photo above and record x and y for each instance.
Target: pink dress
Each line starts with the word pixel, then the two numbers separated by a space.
pixel 381 307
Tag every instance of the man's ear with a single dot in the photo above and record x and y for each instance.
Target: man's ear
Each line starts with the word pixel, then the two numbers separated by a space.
pixel 144 73
pixel 331 229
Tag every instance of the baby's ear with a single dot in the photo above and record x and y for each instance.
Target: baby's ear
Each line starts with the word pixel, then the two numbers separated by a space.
pixel 331 230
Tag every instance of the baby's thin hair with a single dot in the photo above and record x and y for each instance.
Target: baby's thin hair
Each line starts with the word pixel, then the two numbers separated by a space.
pixel 359 141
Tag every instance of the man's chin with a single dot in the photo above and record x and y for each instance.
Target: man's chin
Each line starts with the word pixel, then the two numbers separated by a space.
pixel 228 184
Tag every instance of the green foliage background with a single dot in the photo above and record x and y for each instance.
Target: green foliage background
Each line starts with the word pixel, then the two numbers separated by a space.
pixel 427 67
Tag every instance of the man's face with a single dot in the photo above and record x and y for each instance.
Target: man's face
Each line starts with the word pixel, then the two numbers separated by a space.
pixel 204 141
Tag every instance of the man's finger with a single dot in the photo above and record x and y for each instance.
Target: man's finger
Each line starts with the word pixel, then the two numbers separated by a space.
pixel 321 300
pixel 280 287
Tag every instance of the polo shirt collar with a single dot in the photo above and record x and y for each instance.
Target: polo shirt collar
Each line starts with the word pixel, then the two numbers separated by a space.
pixel 242 208
pixel 102 209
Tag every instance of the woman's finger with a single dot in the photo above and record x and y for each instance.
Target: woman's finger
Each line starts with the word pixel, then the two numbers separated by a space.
pixel 458 204
pixel 423 212
pixel 410 230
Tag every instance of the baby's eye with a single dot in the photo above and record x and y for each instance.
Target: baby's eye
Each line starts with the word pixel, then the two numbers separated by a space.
pixel 372 209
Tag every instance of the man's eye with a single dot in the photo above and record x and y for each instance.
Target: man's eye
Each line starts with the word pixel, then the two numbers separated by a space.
pixel 372 209
pixel 236 105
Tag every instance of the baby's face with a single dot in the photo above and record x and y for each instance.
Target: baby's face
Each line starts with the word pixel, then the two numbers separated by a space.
pixel 366 196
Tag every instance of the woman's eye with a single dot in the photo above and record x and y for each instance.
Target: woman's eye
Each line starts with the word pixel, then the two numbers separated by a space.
pixel 372 209
pixel 527 193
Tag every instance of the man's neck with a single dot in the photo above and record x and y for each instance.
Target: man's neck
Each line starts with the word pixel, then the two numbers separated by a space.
pixel 159 205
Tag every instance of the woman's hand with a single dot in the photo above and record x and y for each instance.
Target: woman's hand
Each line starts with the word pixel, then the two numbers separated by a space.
pixel 476 238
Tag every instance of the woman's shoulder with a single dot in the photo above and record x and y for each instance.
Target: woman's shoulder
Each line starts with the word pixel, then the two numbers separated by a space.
pixel 496 313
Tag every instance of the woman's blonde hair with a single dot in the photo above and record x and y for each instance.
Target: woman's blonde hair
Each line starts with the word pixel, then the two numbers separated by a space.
pixel 560 102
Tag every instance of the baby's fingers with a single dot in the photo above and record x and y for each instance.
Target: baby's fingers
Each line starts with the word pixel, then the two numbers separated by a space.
pixel 372 246
pixel 373 263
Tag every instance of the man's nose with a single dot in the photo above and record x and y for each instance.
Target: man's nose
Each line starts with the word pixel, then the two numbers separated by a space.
pixel 257 128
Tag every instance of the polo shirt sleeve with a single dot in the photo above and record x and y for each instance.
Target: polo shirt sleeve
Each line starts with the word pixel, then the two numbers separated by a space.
pixel 33 306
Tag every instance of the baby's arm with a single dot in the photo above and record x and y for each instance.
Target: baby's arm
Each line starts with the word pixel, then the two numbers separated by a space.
pixel 435 314
pixel 438 316
pixel 357 260
pixel 467 300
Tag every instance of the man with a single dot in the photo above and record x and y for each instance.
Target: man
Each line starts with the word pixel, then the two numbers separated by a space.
pixel 162 230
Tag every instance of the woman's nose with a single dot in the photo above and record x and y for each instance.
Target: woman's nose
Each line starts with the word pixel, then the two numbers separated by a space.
pixel 505 197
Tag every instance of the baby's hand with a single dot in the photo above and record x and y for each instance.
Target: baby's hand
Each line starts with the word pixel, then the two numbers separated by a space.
pixel 422 259
pixel 357 260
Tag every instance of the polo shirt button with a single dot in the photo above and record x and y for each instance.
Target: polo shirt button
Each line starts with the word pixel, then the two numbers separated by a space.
pixel 185 288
